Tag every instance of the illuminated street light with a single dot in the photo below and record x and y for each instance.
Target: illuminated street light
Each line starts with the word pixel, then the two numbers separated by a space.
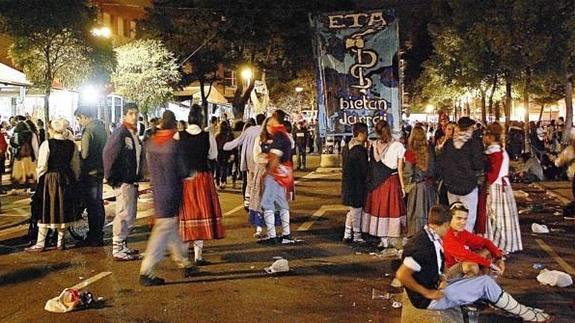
pixel 299 89
pixel 429 108
pixel 90 94
pixel 247 74
pixel 103 32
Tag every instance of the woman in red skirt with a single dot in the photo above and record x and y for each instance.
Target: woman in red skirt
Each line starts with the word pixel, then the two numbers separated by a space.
pixel 200 212
pixel 384 213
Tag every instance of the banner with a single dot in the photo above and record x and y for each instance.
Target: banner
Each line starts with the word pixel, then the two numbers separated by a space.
pixel 358 69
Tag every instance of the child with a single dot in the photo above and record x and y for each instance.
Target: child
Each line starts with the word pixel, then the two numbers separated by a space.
pixel 502 218
pixel 353 184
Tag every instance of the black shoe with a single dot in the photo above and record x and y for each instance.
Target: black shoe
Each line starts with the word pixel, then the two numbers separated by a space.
pixel 146 280
pixel 347 240
pixel 268 241
pixel 201 262
pixel 190 271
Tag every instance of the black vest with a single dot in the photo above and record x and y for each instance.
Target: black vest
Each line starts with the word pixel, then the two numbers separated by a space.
pixel 194 152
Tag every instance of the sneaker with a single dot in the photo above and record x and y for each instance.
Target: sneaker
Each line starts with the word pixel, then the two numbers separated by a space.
pixel 35 248
pixel 269 241
pixel 190 271
pixel 359 240
pixel 146 280
pixel 129 251
pixel 288 239
pixel 201 262
pixel 122 256
pixel 260 236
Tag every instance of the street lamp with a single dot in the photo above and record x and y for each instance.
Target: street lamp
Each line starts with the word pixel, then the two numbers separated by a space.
pixel 103 32
pixel 247 74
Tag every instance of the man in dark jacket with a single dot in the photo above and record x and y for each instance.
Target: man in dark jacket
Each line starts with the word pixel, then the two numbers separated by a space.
pixel 162 152
pixel 94 138
pixel 123 161
pixel 301 136
pixel 462 168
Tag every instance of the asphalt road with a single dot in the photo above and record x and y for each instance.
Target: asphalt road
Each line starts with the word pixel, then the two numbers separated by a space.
pixel 329 281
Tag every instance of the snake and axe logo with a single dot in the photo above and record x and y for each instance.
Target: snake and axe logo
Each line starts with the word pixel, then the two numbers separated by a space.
pixel 364 58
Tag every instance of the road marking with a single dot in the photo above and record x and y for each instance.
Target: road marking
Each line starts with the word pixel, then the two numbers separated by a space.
pixel 234 210
pixel 91 280
pixel 318 214
pixel 556 257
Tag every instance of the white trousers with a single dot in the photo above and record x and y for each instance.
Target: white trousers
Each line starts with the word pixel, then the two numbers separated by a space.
pixel 164 236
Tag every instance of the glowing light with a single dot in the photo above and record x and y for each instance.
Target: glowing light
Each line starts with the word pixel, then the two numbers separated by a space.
pixel 429 108
pixel 247 74
pixel 90 94
pixel 104 32
pixel 299 89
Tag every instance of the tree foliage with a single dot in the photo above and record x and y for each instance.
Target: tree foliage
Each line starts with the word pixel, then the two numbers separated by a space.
pixel 52 42
pixel 146 73
pixel 284 95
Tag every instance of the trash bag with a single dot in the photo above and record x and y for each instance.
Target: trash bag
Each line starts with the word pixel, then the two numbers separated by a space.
pixel 554 278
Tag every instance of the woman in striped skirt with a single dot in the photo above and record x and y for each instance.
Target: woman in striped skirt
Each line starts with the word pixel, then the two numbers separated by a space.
pixel 502 218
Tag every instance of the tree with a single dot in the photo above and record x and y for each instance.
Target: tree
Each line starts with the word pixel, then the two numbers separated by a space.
pixel 284 95
pixel 52 42
pixel 146 73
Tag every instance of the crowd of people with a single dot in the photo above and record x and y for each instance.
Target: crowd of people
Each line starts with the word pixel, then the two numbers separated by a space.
pixel 446 200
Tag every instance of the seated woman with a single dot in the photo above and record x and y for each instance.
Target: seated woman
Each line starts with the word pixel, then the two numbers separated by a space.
pixel 466 253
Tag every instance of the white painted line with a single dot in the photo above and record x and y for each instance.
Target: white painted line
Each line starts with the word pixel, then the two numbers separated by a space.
pixel 556 257
pixel 234 210
pixel 318 214
pixel 91 280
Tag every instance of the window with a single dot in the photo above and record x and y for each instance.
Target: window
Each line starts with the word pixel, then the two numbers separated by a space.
pixel 229 78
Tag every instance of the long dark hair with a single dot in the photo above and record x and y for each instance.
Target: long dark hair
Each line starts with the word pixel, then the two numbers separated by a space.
pixel 168 120
pixel 195 116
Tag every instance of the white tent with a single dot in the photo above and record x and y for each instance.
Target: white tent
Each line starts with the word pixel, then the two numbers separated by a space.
pixel 12 77
pixel 214 96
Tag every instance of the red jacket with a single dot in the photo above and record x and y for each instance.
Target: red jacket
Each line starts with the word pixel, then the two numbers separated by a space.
pixel 461 247
pixel 3 143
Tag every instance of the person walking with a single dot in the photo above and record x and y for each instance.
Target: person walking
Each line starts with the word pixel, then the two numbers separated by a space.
pixel 501 219
pixel 418 178
pixel 58 171
pixel 247 140
pixel 94 137
pixel 354 176
pixel 123 168
pixel 461 165
pixel 166 180
pixel 200 213
pixel 384 213
pixel 25 155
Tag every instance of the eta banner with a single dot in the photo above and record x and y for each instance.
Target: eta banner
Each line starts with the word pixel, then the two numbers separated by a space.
pixel 358 69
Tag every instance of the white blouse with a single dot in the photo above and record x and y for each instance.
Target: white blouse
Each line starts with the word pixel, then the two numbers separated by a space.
pixel 388 154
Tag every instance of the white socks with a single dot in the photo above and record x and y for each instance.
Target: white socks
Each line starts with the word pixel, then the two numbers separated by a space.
pixel 198 247
pixel 285 217
pixel 42 232
pixel 507 303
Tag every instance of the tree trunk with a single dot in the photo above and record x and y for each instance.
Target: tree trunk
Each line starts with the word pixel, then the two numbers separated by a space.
pixel 204 102
pixel 493 88
pixel 497 109
pixel 526 106
pixel 47 93
pixel 240 100
pixel 483 107
pixel 541 112
pixel 568 109
pixel 508 102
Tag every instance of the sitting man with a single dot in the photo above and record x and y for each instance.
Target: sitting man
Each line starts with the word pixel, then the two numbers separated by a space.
pixel 422 275
pixel 465 252
pixel 532 170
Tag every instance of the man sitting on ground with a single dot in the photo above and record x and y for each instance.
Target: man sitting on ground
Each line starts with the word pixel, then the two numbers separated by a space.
pixel 421 272
pixel 466 253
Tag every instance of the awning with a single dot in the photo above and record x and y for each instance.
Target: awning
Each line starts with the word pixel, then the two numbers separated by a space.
pixel 10 76
pixel 214 97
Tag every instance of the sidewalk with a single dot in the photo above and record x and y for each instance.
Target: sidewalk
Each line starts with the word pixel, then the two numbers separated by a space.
pixel 562 190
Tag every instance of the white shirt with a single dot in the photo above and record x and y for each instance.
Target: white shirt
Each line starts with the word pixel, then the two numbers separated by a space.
pixel 410 263
pixel 247 140
pixel 388 154
pixel 44 155
pixel 138 149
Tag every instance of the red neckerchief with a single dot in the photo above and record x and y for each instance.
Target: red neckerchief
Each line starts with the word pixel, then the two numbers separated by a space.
pixel 163 136
pixel 277 129
pixel 130 127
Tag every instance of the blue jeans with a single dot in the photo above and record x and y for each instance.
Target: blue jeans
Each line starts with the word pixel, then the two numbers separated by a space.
pixel 466 291
pixel 92 190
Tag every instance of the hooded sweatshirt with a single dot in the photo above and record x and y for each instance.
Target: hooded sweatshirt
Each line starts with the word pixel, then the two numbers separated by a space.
pixel 462 163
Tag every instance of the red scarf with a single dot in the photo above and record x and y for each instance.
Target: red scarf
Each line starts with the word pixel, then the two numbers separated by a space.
pixel 163 136
pixel 277 129
pixel 130 127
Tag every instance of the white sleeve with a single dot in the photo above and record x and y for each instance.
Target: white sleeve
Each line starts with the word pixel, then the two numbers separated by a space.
pixel 213 152
pixel 398 150
pixel 410 263
pixel 43 155
pixel 230 145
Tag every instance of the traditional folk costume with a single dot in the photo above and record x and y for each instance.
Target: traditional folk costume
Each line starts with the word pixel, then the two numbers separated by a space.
pixel 255 213
pixel 384 213
pixel 353 187
pixel 56 195
pixel 502 218
pixel 25 141
pixel 200 213
pixel 278 183
pixel 419 188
